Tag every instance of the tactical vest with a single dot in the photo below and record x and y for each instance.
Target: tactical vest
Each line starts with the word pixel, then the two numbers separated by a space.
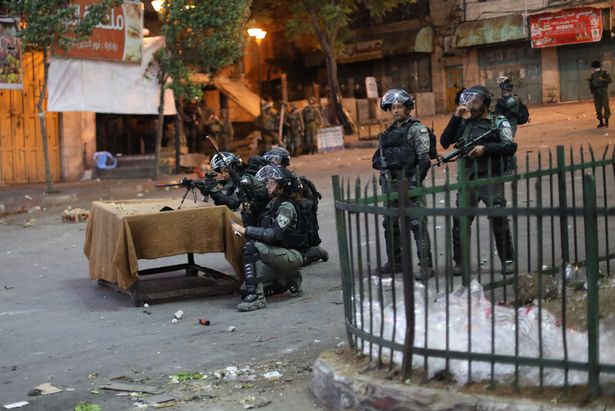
pixel 295 238
pixel 473 128
pixel 397 150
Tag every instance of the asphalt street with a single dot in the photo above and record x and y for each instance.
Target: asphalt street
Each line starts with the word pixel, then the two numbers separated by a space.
pixel 59 327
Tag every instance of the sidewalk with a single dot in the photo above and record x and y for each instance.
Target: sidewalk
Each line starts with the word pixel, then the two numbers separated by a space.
pixel 20 198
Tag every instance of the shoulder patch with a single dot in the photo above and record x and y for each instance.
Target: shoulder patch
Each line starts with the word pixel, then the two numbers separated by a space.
pixel 505 123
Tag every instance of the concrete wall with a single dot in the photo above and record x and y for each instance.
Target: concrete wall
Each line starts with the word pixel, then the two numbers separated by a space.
pixel 78 134
pixel 550 75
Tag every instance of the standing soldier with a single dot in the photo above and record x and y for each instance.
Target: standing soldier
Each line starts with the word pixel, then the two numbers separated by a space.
pixel 295 129
pixel 472 119
pixel 403 153
pixel 599 87
pixel 214 128
pixel 226 131
pixel 508 104
pixel 312 120
pixel 191 114
pixel 267 124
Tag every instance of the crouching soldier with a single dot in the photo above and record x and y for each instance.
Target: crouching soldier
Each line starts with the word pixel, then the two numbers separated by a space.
pixel 273 254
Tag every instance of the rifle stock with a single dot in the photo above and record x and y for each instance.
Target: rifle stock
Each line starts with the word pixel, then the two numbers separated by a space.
pixel 463 149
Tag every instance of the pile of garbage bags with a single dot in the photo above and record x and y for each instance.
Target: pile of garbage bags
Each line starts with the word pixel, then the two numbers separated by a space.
pixel 473 323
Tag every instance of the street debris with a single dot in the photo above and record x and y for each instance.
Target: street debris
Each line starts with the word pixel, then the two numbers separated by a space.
pixel 187 376
pixel 16 405
pixel 75 215
pixel 28 223
pixel 92 376
pixel 44 389
pixel 146 305
pixel 87 406
pixel 160 401
pixel 231 329
pixel 178 314
pixel 27 197
pixel 174 321
pixel 204 322
pixel 118 386
pixel 34 209
pixel 272 375
pixel 263 338
pixel 252 401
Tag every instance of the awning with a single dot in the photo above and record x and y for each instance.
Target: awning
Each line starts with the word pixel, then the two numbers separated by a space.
pixel 240 94
pixel 107 87
pixel 489 31
pixel 376 43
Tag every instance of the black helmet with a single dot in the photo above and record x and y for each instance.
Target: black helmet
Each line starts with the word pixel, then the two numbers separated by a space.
pixel 596 64
pixel 396 95
pixel 278 156
pixel 505 83
pixel 476 92
pixel 224 159
pixel 255 163
pixel 285 178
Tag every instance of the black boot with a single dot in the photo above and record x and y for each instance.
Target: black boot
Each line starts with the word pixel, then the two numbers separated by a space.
pixel 600 124
pixel 606 122
pixel 313 254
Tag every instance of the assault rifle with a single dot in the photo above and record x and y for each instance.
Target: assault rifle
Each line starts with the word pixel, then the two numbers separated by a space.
pixel 205 186
pixel 244 192
pixel 463 148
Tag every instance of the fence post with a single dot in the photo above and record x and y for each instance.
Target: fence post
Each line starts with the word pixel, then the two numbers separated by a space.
pixel 342 244
pixel 563 219
pixel 464 223
pixel 591 252
pixel 407 269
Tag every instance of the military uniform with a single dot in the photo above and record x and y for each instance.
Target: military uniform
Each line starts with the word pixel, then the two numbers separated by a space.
pixel 295 131
pixel 226 134
pixel 272 256
pixel 599 86
pixel 404 152
pixel 508 106
pixel 498 148
pixel 268 126
pixel 312 121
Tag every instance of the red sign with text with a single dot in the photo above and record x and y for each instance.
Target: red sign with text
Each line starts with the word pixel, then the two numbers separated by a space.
pixel 120 38
pixel 570 26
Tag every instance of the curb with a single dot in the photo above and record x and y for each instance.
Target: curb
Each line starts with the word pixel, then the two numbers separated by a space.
pixel 339 384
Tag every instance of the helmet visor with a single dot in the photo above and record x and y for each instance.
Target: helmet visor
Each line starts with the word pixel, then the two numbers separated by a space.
pixel 471 98
pixel 269 172
pixel 275 158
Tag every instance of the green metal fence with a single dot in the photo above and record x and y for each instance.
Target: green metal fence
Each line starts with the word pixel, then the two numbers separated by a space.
pixel 559 207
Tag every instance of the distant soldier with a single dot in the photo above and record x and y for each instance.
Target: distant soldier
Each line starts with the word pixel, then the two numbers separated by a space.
pixel 295 129
pixel 191 114
pixel 226 131
pixel 599 87
pixel 214 129
pixel 508 104
pixel 312 120
pixel 268 126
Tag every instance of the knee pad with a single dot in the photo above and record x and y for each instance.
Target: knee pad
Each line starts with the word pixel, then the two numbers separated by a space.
pixel 249 250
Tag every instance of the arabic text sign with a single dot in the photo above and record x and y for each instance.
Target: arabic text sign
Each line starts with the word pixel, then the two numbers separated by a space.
pixel 120 38
pixel 10 56
pixel 578 25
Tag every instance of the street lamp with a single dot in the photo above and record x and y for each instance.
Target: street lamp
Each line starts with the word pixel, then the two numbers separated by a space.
pixel 258 34
pixel 157 5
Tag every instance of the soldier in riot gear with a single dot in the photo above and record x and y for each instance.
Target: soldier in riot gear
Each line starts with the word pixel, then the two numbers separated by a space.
pixel 280 156
pixel 241 187
pixel 403 152
pixel 471 119
pixel 273 255
pixel 508 104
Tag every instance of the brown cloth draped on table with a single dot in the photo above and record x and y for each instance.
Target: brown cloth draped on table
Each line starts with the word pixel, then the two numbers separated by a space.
pixel 120 233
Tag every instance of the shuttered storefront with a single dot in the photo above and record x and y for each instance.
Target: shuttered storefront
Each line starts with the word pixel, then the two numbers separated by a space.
pixel 21 147
pixel 517 61
pixel 575 67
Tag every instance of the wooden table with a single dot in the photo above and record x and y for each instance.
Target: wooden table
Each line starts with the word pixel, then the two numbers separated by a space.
pixel 119 233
